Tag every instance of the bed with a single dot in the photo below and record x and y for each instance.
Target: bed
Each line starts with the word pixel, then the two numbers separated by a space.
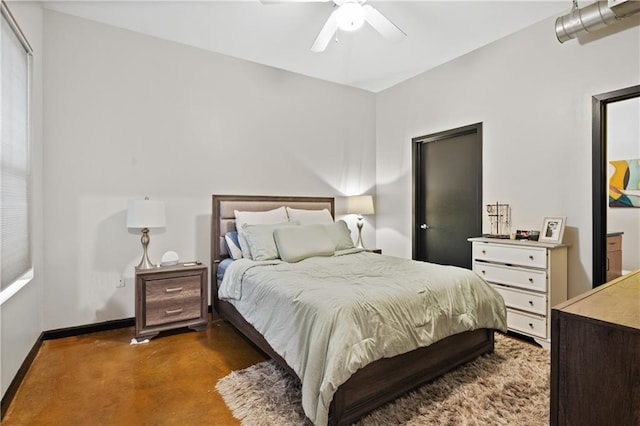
pixel 375 383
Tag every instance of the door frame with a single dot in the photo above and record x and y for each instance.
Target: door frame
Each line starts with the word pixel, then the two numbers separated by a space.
pixel 418 218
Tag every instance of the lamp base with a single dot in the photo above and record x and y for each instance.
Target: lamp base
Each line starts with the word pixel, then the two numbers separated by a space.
pixel 145 263
pixel 359 242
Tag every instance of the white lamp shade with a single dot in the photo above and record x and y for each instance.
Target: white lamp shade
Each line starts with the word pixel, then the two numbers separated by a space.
pixel 146 214
pixel 360 204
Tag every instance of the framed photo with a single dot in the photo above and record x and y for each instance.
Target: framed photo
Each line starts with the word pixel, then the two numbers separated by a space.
pixel 552 229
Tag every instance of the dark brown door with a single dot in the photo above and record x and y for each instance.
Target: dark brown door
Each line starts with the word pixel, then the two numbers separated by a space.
pixel 447 180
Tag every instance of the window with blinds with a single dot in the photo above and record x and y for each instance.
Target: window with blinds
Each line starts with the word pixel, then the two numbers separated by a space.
pixel 15 229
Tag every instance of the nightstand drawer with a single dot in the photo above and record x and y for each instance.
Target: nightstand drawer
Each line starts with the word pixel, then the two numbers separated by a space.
pixel 534 257
pixel 531 279
pixel 527 323
pixel 173 288
pixel 523 300
pixel 614 243
pixel 171 310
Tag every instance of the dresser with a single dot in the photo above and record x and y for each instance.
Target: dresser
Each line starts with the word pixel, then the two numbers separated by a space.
pixel 170 297
pixel 614 255
pixel 595 356
pixel 530 276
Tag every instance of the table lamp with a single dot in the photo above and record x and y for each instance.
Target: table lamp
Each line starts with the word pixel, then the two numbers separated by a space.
pixel 145 214
pixel 360 205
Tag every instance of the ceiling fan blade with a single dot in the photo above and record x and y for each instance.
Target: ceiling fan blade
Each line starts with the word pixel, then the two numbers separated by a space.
pixel 381 24
pixel 326 34
pixel 292 1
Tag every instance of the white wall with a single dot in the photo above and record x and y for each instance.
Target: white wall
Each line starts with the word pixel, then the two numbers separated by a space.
pixel 623 143
pixel 21 317
pixel 533 96
pixel 127 115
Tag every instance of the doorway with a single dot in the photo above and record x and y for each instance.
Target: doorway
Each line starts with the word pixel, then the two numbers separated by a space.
pixel 447 194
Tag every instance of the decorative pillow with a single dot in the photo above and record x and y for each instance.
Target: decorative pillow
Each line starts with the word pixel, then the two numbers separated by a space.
pixel 222 267
pixel 233 245
pixel 268 217
pixel 296 243
pixel 261 241
pixel 310 217
pixel 340 235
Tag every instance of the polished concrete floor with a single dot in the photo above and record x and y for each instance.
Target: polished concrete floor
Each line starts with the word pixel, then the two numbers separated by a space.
pixel 100 379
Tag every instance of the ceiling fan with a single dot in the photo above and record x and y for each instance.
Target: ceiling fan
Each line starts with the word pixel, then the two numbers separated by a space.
pixel 350 15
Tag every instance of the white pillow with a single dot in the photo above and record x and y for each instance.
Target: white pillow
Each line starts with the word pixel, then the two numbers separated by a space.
pixel 268 217
pixel 310 217
pixel 296 243
pixel 261 241
pixel 340 235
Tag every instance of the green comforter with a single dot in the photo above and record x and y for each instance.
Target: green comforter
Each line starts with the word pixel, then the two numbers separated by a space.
pixel 329 316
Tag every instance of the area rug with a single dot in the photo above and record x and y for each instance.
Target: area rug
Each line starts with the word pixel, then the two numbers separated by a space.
pixel 507 387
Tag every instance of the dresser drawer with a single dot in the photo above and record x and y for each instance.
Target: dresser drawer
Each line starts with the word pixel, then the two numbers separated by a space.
pixel 523 300
pixel 530 279
pixel 614 243
pixel 527 323
pixel 172 299
pixel 535 257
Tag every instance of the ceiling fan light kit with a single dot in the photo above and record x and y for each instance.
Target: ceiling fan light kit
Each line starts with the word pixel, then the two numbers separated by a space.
pixel 350 16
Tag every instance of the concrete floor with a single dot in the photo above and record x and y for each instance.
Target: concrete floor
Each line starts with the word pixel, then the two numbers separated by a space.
pixel 100 379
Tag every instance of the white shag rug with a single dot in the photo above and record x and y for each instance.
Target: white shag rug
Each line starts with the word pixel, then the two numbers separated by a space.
pixel 507 387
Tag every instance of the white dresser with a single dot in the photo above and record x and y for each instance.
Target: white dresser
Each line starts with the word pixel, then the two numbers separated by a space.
pixel 530 276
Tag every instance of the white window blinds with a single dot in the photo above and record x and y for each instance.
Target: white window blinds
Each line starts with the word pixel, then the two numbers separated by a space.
pixel 15 234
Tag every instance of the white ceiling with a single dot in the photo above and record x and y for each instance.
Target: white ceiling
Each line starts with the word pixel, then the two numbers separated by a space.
pixel 280 35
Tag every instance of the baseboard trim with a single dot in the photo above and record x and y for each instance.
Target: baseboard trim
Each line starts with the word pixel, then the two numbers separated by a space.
pixel 88 328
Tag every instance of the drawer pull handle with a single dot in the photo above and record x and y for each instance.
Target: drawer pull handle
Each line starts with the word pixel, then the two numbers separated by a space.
pixel 531 257
pixel 173 290
pixel 531 302
pixel 173 311
pixel 484 272
pixel 531 326
pixel 484 252
pixel 531 280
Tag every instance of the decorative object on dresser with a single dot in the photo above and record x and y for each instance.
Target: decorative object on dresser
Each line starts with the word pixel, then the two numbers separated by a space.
pixel 614 255
pixel 169 297
pixel 552 229
pixel 531 276
pixel 145 214
pixel 500 219
pixel 360 205
pixel 595 365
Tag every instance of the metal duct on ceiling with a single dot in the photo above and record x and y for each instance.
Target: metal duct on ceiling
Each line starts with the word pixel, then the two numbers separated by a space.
pixel 594 17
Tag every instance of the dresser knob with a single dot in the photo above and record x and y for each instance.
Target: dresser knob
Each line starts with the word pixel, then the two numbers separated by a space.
pixel 531 257
pixel 531 280
pixel 484 252
pixel 484 272
pixel 531 326
pixel 531 302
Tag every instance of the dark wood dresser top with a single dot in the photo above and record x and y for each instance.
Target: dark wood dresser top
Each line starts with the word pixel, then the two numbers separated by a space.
pixel 617 302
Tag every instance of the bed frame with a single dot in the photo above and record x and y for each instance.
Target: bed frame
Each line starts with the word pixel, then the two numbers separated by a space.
pixel 375 384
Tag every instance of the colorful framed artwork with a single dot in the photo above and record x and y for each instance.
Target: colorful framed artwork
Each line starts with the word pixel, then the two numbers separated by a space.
pixel 624 184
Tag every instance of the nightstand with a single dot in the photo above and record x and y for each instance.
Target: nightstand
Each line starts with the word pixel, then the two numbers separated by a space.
pixel 169 297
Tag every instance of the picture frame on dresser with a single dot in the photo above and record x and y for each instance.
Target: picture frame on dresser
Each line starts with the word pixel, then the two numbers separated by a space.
pixel 552 229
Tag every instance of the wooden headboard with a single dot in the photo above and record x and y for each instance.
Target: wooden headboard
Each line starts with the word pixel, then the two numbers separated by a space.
pixel 223 219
